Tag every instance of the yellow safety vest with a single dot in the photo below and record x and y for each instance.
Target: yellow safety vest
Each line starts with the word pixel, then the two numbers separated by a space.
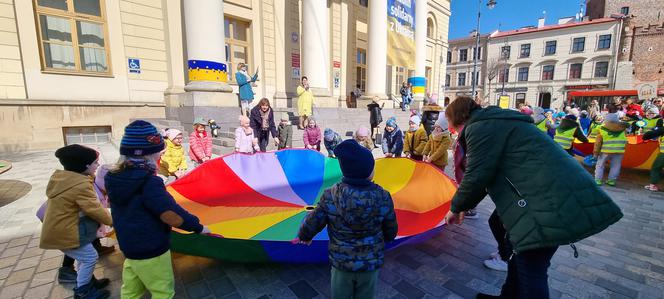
pixel 594 130
pixel 661 144
pixel 613 145
pixel 542 125
pixel 650 124
pixel 564 138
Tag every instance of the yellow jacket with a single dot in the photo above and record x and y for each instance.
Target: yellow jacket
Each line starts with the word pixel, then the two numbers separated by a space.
pixel 70 193
pixel 367 143
pixel 414 142
pixel 172 160
pixel 305 101
pixel 436 148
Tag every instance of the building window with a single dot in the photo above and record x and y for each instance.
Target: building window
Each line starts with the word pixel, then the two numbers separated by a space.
pixel 462 79
pixel 578 44
pixel 237 45
pixel 475 78
pixel 402 76
pixel 361 67
pixel 523 74
pixel 624 10
pixel 477 52
pixel 525 51
pixel 547 72
pixel 505 52
pixel 550 47
pixel 364 3
pixel 504 75
pixel 73 37
pixel 601 69
pixel 604 42
pixel 463 55
pixel 449 56
pixel 430 29
pixel 575 70
pixel 447 80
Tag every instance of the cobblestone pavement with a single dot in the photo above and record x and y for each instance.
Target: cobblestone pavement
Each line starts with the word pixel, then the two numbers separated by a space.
pixel 625 261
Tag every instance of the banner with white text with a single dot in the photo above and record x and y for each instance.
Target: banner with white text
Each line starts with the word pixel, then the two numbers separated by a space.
pixel 401 33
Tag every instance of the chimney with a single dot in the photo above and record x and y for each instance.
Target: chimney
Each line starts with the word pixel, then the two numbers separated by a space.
pixel 565 20
pixel 540 22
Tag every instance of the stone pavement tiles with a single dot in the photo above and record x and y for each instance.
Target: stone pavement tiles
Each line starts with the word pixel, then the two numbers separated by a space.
pixel 625 261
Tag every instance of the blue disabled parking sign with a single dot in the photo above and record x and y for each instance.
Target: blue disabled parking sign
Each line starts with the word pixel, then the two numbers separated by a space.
pixel 134 65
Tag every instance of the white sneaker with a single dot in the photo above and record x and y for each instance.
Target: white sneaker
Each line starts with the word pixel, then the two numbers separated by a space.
pixel 494 255
pixel 496 264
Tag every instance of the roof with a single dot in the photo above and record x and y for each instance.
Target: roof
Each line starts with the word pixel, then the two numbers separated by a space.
pixel 552 27
pixel 467 39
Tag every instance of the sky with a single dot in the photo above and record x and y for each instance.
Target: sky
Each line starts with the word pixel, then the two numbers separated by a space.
pixel 508 14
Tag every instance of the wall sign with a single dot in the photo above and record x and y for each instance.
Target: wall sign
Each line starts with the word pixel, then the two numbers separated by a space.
pixel 294 37
pixel 295 60
pixel 336 64
pixel 401 33
pixel 134 65
pixel 295 73
pixel 647 90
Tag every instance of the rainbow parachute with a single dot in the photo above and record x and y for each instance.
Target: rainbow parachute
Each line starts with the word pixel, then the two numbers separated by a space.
pixel 258 202
pixel 639 153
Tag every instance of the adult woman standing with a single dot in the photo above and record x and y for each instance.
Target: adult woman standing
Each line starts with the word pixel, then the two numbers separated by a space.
pixel 305 102
pixel 245 83
pixel 505 153
pixel 262 122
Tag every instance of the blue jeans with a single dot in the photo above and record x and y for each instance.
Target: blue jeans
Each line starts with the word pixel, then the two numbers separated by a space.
pixel 86 256
pixel 527 274
pixel 614 172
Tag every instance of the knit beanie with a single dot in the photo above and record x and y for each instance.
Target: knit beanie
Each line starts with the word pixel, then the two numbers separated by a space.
pixel 200 121
pixel 76 157
pixel 612 118
pixel 654 110
pixel 284 116
pixel 243 119
pixel 328 134
pixel 416 120
pixel 172 133
pixel 362 132
pixel 442 122
pixel 391 122
pixel 356 161
pixel 571 117
pixel 140 139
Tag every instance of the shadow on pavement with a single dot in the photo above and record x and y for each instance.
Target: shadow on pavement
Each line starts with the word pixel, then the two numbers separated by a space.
pixel 12 190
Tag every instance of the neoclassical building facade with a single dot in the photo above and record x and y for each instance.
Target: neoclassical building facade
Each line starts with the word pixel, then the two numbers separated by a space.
pixel 81 70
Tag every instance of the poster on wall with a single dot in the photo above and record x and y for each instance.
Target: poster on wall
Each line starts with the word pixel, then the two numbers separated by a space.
pixel 504 102
pixel 401 33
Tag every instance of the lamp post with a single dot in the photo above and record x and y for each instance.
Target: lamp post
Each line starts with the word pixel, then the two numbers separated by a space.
pixel 491 4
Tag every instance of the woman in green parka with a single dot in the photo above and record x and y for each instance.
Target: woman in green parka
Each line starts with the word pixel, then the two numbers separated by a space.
pixel 505 155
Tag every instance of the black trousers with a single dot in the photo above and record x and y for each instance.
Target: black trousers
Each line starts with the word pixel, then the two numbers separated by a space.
pixel 500 234
pixel 263 139
pixel 527 275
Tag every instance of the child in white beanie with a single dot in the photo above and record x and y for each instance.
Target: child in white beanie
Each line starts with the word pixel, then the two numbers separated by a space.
pixel 415 139
pixel 435 150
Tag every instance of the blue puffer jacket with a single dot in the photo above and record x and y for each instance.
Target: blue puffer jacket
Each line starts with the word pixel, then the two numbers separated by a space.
pixel 360 218
pixel 138 198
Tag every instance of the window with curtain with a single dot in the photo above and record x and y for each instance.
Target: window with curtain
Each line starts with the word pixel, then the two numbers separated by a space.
pixel 575 70
pixel 601 69
pixel 525 51
pixel 461 79
pixel 237 46
pixel 504 75
pixel 72 36
pixel 550 47
pixel 547 72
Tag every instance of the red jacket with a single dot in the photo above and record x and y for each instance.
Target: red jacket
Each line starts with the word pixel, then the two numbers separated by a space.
pixel 633 108
pixel 200 147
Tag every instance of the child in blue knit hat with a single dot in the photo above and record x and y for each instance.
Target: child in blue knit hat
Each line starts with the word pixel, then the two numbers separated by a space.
pixel 392 139
pixel 331 139
pixel 360 219
pixel 143 214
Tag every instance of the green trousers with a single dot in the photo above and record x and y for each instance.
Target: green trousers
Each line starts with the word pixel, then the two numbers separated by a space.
pixel 656 169
pixel 357 285
pixel 154 275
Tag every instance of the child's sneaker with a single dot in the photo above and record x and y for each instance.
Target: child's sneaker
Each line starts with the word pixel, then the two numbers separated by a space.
pixel 88 291
pixel 496 264
pixel 611 182
pixel 67 275
pixel 652 187
pixel 599 182
pixel 471 214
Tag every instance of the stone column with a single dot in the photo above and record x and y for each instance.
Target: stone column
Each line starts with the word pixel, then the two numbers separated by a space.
pixel 316 45
pixel 419 79
pixel 206 55
pixel 376 53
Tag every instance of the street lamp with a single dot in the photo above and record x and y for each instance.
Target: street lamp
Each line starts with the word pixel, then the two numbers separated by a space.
pixel 491 4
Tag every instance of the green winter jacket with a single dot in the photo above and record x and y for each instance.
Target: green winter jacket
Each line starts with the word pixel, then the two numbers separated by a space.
pixel 542 195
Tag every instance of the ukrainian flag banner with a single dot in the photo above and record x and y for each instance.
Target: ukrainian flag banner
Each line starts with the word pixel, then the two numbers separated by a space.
pixel 401 33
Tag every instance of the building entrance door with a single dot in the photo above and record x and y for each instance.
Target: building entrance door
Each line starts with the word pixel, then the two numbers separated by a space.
pixel 545 100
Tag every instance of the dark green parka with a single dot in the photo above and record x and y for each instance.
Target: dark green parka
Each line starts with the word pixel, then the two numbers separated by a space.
pixel 542 195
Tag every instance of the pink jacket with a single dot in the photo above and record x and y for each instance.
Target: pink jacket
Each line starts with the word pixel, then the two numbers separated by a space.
pixel 244 143
pixel 312 136
pixel 200 147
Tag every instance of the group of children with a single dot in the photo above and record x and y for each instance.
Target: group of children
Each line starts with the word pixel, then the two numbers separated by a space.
pixel 173 163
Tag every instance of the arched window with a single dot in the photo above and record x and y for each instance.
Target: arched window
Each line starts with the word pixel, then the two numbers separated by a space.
pixel 430 28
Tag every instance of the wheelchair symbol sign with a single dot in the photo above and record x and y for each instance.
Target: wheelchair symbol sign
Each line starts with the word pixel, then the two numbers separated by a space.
pixel 134 65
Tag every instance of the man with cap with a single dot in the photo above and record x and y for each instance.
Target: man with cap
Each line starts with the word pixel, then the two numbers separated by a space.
pixel 360 219
pixel 73 215
pixel 415 139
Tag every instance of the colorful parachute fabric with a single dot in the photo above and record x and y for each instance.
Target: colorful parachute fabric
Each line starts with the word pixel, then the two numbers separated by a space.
pixel 639 153
pixel 255 204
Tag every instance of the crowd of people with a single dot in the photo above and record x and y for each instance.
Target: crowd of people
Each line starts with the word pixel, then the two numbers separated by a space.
pixel 496 152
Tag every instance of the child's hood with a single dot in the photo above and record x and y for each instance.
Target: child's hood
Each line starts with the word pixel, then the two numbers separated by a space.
pixel 171 145
pixel 122 186
pixel 64 180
